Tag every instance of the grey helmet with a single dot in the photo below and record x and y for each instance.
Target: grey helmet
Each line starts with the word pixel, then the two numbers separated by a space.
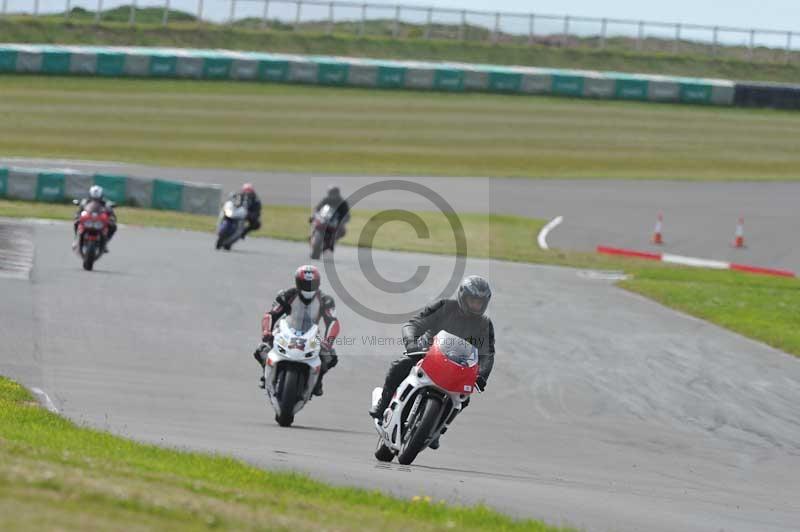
pixel 474 295
pixel 96 192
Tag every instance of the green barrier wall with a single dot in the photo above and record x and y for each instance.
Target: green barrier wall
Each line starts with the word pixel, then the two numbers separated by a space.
pixel 113 186
pixel 342 71
pixel 3 181
pixel 167 195
pixel 51 186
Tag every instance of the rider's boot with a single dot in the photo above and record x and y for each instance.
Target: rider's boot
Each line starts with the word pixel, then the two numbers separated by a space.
pixel 318 388
pixel 377 410
pixel 261 362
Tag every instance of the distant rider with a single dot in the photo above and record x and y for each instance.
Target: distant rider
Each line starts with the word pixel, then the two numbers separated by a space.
pixel 341 210
pixel 304 296
pixel 249 199
pixel 96 194
pixel 464 317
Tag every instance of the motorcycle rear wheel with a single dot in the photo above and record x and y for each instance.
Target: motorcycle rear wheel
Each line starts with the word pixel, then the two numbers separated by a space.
pixel 421 432
pixel 289 387
pixel 383 453
pixel 316 245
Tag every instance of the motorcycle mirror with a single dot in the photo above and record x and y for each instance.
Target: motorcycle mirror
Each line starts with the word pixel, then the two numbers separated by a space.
pixel 75 202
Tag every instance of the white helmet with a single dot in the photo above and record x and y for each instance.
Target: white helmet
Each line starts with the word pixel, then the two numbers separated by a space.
pixel 96 192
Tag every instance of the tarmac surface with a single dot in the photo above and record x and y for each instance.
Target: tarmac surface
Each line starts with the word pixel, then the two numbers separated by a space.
pixel 699 217
pixel 605 411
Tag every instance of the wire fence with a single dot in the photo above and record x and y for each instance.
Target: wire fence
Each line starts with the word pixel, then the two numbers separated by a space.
pixel 409 21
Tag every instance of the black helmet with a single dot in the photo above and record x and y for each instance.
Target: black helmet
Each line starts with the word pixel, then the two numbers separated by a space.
pixel 306 279
pixel 474 295
pixel 334 192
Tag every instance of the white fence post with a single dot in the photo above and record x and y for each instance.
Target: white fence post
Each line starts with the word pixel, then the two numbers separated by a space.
pixel 199 11
pixel 788 46
pixel 36 8
pixel 361 28
pixel 565 38
pixel 132 17
pixel 640 35
pixel 5 7
pixel 603 33
pixel 165 19
pixel 531 22
pixel 232 14
pixel 462 30
pixel 752 44
pixel 265 16
pixel 496 31
pixel 677 43
pixel 67 9
pixel 428 24
pixel 396 29
pixel 715 41
pixel 98 13
pixel 329 26
pixel 297 14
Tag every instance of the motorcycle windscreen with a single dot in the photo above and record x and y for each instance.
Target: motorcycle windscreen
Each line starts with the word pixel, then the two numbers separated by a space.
pixel 452 363
pixel 93 207
pixel 300 321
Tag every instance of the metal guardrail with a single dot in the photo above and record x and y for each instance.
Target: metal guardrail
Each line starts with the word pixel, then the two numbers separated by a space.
pixel 496 26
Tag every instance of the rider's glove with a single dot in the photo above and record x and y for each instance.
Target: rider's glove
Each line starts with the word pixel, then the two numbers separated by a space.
pixel 423 342
pixel 480 382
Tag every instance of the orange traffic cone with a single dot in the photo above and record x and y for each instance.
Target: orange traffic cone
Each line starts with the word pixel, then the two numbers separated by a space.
pixel 657 238
pixel 738 241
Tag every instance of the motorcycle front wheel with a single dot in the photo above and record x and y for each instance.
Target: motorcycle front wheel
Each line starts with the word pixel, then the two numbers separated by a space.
pixel 421 429
pixel 288 390
pixel 89 256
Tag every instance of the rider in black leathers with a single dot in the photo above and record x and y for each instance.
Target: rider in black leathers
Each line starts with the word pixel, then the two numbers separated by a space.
pixel 463 317
pixel 341 210
pixel 249 198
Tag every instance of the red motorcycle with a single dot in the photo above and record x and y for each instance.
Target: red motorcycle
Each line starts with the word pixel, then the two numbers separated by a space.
pixel 428 400
pixel 92 233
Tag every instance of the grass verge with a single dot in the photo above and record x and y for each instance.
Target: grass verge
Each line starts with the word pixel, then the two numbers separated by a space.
pixel 253 126
pixel 186 33
pixel 763 308
pixel 55 475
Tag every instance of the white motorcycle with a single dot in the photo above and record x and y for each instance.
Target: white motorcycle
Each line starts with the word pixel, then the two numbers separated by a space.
pixel 428 400
pixel 231 223
pixel 293 366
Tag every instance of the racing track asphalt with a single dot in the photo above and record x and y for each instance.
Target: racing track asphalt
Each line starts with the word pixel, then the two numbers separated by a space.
pixel 699 217
pixel 605 411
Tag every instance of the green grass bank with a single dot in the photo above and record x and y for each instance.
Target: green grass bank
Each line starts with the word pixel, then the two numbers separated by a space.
pixel 253 126
pixel 183 31
pixel 55 475
pixel 763 308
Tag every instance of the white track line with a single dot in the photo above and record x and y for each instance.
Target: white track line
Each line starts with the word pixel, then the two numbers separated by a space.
pixel 552 224
pixel 48 404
